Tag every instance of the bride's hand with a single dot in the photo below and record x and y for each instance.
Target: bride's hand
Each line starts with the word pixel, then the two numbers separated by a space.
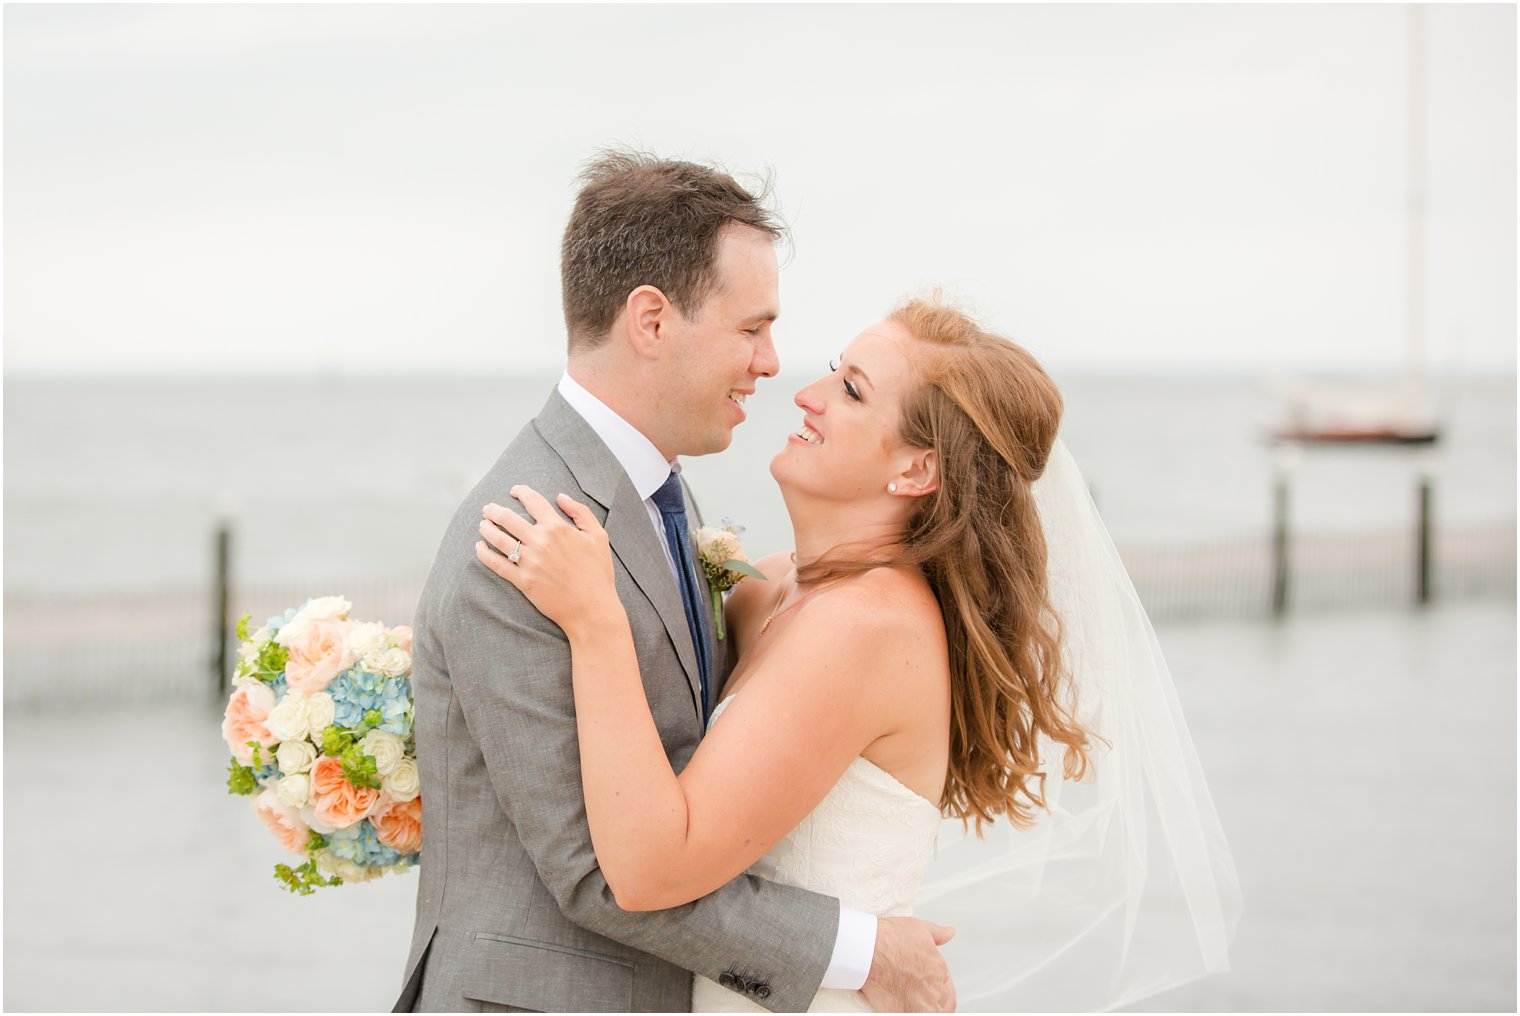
pixel 565 570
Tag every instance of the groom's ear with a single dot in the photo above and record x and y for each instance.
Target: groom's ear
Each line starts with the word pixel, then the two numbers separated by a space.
pixel 647 310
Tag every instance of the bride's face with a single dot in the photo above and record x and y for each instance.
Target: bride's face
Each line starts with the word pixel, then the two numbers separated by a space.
pixel 846 446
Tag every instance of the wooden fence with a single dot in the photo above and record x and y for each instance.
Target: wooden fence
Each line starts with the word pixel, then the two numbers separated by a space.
pixel 109 649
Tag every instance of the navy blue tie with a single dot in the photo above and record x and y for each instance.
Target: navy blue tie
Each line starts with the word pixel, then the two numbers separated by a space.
pixel 694 595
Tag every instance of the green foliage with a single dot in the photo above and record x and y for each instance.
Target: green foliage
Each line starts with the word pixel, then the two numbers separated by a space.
pixel 304 880
pixel 373 718
pixel 724 576
pixel 270 663
pixel 336 740
pixel 342 744
pixel 240 779
pixel 743 568
pixel 359 768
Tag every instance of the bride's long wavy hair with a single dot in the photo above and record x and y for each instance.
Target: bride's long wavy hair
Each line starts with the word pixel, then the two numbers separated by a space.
pixel 990 412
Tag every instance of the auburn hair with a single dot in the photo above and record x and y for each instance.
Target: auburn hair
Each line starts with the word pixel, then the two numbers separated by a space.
pixel 990 413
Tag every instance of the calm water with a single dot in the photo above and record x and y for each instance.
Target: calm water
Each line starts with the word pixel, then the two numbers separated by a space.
pixel 114 484
pixel 1363 766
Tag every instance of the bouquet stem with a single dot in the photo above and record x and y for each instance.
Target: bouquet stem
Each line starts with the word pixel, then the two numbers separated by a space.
pixel 717 604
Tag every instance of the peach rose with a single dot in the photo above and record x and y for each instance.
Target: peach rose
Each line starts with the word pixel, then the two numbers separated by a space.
pixel 335 801
pixel 402 636
pixel 323 608
pixel 398 824
pixel 282 820
pixel 245 720
pixel 320 654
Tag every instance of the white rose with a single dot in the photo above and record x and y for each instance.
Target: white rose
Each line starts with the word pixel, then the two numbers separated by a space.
pixel 319 712
pixel 290 720
pixel 386 748
pixel 707 538
pixel 366 639
pixel 294 790
pixel 391 662
pixel 403 784
pixel 326 608
pixel 295 756
pixel 331 864
pixel 323 608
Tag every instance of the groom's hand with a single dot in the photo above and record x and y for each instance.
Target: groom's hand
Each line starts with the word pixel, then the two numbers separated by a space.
pixel 908 974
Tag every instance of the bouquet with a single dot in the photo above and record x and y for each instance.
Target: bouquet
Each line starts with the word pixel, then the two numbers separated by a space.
pixel 724 564
pixel 320 727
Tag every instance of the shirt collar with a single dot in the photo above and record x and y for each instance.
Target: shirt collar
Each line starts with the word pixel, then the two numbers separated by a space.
pixel 640 459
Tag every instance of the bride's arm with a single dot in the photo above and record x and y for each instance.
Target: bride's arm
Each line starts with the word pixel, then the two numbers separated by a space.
pixel 828 690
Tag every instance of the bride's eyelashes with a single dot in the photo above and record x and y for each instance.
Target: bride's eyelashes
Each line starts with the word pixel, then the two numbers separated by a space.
pixel 849 386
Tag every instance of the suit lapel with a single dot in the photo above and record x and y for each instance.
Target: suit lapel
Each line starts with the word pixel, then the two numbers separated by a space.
pixel 634 540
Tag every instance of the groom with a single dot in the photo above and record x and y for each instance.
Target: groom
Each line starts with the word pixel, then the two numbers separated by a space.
pixel 670 288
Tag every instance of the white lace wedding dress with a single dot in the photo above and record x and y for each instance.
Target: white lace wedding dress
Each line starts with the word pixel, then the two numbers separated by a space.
pixel 868 843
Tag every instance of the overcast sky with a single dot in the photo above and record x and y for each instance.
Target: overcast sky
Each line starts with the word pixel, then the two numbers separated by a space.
pixel 359 188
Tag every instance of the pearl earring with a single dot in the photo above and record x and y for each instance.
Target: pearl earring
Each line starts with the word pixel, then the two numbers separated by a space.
pixel 891 488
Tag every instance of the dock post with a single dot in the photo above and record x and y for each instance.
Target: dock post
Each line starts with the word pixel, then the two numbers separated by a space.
pixel 222 621
pixel 1422 543
pixel 1280 544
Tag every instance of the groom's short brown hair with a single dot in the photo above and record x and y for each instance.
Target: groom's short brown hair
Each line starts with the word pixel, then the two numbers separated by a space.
pixel 643 221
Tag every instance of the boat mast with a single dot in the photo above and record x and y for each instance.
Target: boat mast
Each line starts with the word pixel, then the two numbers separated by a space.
pixel 1415 207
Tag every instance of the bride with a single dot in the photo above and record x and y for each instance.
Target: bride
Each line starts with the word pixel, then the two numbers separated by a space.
pixel 953 637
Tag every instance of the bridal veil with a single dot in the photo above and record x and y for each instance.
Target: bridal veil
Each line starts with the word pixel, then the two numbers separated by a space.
pixel 1125 887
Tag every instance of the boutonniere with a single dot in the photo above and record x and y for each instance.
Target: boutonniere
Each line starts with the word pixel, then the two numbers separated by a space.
pixel 724 563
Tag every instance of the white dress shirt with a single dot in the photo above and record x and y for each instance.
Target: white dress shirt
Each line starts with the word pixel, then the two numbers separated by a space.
pixel 647 469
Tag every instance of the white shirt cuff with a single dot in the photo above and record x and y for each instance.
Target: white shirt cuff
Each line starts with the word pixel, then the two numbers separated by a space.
pixel 851 963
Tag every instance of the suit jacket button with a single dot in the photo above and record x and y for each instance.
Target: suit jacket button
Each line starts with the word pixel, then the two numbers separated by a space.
pixel 762 991
pixel 727 980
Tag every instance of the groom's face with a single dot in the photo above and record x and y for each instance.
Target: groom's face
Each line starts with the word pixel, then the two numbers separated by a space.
pixel 718 353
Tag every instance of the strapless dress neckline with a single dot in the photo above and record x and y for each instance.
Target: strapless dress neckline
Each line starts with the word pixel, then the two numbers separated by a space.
pixel 867 843
pixel 882 776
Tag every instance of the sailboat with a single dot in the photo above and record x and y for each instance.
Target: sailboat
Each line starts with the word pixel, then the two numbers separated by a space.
pixel 1400 414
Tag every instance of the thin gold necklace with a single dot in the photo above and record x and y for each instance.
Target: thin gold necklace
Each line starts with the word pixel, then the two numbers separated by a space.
pixel 778 609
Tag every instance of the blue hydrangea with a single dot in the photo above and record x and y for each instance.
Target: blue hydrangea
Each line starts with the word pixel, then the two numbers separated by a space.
pixel 354 693
pixel 274 624
pixel 360 844
pixel 396 710
pixel 267 773
pixel 357 691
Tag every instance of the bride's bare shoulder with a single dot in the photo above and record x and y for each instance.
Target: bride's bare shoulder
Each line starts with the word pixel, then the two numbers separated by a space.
pixel 894 607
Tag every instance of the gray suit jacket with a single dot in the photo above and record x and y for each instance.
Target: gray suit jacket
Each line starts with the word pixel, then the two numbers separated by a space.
pixel 512 910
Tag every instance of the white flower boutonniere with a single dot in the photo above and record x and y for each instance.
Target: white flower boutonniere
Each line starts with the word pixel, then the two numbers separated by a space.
pixel 724 563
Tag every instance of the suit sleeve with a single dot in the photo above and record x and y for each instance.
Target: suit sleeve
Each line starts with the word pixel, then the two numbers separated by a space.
pixel 510 668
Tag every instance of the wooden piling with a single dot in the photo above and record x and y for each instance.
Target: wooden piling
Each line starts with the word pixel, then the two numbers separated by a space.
pixel 1280 545
pixel 1422 544
pixel 222 609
